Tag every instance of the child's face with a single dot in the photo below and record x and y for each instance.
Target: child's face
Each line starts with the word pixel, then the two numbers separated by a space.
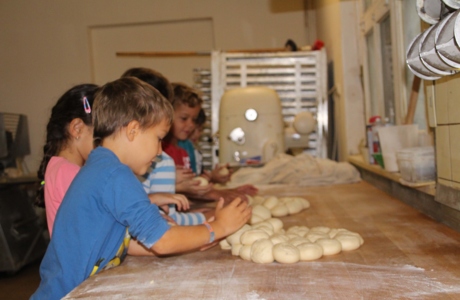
pixel 147 146
pixel 184 123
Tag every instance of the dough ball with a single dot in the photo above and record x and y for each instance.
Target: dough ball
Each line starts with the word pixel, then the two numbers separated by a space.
pixel 224 171
pixel 250 200
pixel 349 242
pixel 203 181
pixel 261 211
pixel 302 232
pixel 250 236
pixel 334 231
pixel 258 200
pixel 280 210
pixel 263 224
pixel 235 237
pixel 267 229
pixel 298 240
pixel 286 253
pixel 330 246
pixel 314 236
pixel 310 251
pixel 245 252
pixel 294 206
pixel 236 249
pixel 276 223
pixel 285 199
pixel 292 229
pixel 305 203
pixel 321 229
pixel 270 202
pixel 361 241
pixel 255 219
pixel 292 235
pixel 279 238
pixel 224 245
pixel 261 251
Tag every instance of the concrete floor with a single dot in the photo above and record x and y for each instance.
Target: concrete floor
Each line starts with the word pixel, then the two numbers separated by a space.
pixel 22 284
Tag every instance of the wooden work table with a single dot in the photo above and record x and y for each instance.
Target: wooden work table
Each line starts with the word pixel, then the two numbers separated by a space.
pixel 405 255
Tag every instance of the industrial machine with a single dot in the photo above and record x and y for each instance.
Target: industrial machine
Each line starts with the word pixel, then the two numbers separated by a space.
pixel 251 126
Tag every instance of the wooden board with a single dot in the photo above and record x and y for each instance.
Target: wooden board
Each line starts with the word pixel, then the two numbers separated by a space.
pixel 405 255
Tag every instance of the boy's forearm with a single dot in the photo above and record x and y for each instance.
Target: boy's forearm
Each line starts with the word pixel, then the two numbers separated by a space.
pixel 185 238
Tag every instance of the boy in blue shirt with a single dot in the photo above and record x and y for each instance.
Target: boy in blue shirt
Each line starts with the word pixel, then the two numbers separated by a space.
pixel 130 119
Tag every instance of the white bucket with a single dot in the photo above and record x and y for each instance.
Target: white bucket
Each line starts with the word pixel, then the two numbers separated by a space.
pixel 394 138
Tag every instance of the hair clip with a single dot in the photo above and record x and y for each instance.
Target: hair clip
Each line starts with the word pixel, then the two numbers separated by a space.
pixel 42 183
pixel 86 105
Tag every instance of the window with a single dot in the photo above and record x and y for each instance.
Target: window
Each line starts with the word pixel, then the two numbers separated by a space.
pixel 387 28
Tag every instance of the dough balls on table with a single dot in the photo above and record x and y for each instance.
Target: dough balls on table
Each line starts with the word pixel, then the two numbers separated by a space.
pixel 236 249
pixel 286 253
pixel 276 223
pixel 349 241
pixel 280 210
pixel 252 235
pixel 270 202
pixel 298 240
pixel 260 213
pixel 245 252
pixel 224 245
pixel 294 206
pixel 279 238
pixel 330 246
pixel 235 237
pixel 262 251
pixel 314 236
pixel 310 251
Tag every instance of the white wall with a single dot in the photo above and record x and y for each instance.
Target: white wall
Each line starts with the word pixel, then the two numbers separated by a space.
pixel 46 48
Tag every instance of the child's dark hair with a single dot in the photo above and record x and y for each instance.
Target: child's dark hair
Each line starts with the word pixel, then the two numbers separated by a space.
pixel 154 78
pixel 201 118
pixel 71 105
pixel 184 94
pixel 124 100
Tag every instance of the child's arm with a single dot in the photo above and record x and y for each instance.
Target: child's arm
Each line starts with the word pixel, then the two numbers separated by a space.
pixel 228 219
pixel 193 188
pixel 161 199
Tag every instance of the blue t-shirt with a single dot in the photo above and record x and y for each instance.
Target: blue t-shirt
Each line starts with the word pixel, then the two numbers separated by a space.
pixel 104 199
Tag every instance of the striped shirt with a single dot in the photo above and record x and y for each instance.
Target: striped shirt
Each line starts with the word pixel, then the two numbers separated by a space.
pixel 162 179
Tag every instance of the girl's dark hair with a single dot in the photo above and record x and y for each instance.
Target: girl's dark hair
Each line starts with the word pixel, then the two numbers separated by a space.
pixel 201 118
pixel 70 106
pixel 154 78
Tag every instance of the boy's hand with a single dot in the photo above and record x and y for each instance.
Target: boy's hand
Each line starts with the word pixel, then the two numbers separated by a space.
pixel 218 177
pixel 231 217
pixel 247 189
pixel 161 199
pixel 193 188
pixel 183 174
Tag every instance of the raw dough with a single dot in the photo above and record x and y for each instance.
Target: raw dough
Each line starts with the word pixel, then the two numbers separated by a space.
pixel 270 202
pixel 224 245
pixel 286 253
pixel 261 211
pixel 330 246
pixel 314 236
pixel 235 237
pixel 280 210
pixel 261 251
pixel 276 223
pixel 322 229
pixel 279 238
pixel 203 181
pixel 250 236
pixel 223 171
pixel 298 240
pixel 236 249
pixel 310 251
pixel 294 206
pixel 348 241
pixel 245 252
